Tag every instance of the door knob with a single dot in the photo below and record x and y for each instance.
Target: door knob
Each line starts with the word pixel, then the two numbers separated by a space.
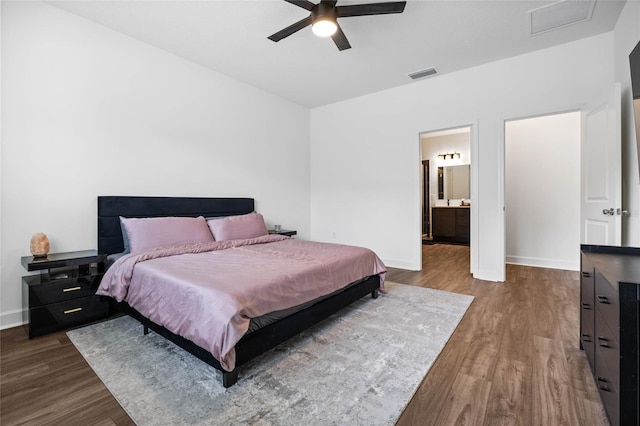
pixel 608 212
pixel 624 212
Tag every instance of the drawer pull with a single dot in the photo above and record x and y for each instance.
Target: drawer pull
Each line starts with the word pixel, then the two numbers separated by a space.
pixel 70 311
pixel 586 306
pixel 586 274
pixel 604 388
pixel 603 300
pixel 602 379
pixel 65 290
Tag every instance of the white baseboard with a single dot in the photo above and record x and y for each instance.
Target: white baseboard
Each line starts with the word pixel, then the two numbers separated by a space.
pixel 488 275
pixel 402 264
pixel 11 319
pixel 543 263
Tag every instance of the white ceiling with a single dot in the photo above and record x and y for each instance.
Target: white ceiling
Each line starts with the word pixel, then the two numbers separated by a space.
pixel 231 37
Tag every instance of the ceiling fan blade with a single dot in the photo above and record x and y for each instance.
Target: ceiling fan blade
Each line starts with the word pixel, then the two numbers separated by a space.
pixel 305 4
pixel 371 9
pixel 340 39
pixel 291 29
pixel 329 2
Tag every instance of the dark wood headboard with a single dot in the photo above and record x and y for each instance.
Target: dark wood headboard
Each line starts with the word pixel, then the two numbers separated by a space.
pixel 111 207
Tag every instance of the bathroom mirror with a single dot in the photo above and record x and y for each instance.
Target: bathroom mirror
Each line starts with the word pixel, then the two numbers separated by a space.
pixel 453 182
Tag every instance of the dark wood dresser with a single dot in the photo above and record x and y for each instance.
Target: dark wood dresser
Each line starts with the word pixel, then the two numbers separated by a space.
pixel 451 224
pixel 63 294
pixel 609 327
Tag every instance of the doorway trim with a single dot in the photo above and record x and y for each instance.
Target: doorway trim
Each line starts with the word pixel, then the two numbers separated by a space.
pixel 473 154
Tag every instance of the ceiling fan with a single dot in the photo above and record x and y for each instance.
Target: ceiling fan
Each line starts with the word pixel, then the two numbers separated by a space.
pixel 324 18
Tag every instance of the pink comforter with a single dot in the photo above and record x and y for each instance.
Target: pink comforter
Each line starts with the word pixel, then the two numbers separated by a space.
pixel 208 292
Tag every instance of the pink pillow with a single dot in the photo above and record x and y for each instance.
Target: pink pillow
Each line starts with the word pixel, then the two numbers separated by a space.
pixel 150 232
pixel 238 227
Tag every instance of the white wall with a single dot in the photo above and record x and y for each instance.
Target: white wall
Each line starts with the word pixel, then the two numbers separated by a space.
pixel 87 111
pixel 365 188
pixel 626 36
pixel 542 191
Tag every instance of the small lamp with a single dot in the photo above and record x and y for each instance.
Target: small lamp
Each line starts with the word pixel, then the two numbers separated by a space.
pixel 39 245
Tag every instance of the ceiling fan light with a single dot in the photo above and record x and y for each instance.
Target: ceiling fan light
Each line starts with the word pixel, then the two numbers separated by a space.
pixel 324 27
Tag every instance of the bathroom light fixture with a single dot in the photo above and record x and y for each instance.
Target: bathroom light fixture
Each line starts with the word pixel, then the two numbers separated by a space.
pixel 450 155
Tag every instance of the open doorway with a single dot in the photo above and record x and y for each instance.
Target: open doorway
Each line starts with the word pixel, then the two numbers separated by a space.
pixel 446 186
pixel 542 191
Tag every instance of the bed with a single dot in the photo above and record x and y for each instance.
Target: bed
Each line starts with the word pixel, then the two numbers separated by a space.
pixel 263 332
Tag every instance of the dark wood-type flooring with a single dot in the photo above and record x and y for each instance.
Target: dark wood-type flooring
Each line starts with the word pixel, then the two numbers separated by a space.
pixel 513 360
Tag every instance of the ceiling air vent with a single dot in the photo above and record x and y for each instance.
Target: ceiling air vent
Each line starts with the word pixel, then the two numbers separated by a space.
pixel 559 14
pixel 424 73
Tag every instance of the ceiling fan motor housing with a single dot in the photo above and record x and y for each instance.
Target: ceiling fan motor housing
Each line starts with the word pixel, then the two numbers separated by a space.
pixel 323 11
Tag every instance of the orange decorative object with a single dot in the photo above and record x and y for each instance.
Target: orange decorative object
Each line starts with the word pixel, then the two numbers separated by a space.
pixel 39 245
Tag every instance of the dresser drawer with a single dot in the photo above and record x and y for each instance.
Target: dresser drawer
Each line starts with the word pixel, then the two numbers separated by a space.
pixel 588 345
pixel 60 290
pixel 587 310
pixel 607 388
pixel 586 283
pixel 608 350
pixel 56 316
pixel 587 317
pixel 587 335
pixel 606 301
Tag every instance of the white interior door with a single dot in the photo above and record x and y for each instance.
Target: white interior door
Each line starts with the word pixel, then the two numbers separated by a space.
pixel 601 178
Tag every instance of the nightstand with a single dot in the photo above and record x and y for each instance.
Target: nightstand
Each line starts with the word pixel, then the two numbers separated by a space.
pixel 283 232
pixel 63 294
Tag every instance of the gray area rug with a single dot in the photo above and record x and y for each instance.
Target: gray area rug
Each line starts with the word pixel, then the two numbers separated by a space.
pixel 360 366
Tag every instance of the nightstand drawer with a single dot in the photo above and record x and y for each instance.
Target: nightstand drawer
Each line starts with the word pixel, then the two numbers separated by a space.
pixel 56 316
pixel 63 294
pixel 60 290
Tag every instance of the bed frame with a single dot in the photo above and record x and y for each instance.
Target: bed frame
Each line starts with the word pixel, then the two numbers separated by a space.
pixel 252 344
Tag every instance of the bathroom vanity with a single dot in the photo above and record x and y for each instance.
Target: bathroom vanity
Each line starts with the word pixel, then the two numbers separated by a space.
pixel 451 224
